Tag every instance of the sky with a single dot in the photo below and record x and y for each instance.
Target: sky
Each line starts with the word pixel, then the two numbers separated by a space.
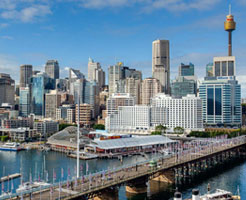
pixel 71 31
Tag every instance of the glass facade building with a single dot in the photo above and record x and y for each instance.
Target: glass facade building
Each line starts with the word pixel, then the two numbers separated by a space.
pixel 186 70
pixel 221 98
pixel 25 101
pixel 181 87
pixel 41 84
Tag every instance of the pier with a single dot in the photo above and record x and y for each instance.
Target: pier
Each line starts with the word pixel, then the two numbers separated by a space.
pixel 9 177
pixel 174 168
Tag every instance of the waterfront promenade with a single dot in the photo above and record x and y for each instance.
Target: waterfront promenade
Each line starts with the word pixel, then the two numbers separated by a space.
pixel 92 185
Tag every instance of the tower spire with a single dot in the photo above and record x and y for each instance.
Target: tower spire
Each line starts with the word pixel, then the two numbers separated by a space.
pixel 229 9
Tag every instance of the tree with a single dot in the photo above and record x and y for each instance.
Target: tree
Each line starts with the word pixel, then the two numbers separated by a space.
pixel 179 130
pixel 161 128
pixel 156 133
pixel 99 126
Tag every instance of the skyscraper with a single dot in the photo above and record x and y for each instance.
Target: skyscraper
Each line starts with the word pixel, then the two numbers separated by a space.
pixel 161 63
pixel 25 75
pixel 52 69
pixel 7 89
pixel 96 73
pixel 221 98
pixel 150 87
pixel 209 70
pixel 52 102
pixel 41 84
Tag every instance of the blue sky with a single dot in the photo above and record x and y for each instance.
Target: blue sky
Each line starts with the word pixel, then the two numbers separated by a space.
pixel 32 31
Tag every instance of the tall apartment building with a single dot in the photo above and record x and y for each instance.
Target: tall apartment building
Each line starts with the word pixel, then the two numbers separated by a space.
pixel 52 69
pixel 119 99
pixel 133 87
pixel 149 88
pixel 7 89
pixel 25 75
pixel 66 113
pixel 85 114
pixel 25 101
pixel 221 98
pixel 96 73
pixel 52 102
pixel 161 63
pixel 185 112
pixel 224 66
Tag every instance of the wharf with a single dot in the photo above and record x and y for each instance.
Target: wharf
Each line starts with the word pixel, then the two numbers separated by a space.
pixel 12 176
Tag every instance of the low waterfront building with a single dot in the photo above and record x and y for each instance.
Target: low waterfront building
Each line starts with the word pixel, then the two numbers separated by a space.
pixel 128 145
pixel 18 134
pixel 46 128
pixel 66 140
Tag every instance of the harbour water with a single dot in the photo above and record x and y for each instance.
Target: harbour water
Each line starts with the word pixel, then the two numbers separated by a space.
pixel 35 164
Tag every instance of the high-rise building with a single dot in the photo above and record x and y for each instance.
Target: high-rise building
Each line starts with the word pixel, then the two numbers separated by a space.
pixel 7 89
pixel 85 114
pixel 41 84
pixel 25 101
pixel 96 73
pixel 133 87
pixel 161 63
pixel 209 70
pixel 224 66
pixel 186 70
pixel 117 75
pixel 25 75
pixel 138 118
pixel 221 98
pixel 183 86
pixel 52 69
pixel 52 102
pixel 119 99
pixel 62 85
pixel 149 88
pixel 185 112
pixel 66 113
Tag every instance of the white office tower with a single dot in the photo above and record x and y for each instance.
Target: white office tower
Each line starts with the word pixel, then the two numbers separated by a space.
pixel 138 119
pixel 161 63
pixel 185 112
pixel 96 73
pixel 119 99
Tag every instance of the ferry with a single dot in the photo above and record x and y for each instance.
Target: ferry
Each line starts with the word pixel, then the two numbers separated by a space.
pixel 218 194
pixel 5 195
pixel 11 146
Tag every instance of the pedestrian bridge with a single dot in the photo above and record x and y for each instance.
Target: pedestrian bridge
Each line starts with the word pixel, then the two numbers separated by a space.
pixel 188 160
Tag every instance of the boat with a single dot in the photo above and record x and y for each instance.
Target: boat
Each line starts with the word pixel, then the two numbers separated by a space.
pixel 11 146
pixel 218 194
pixel 27 186
pixel 5 195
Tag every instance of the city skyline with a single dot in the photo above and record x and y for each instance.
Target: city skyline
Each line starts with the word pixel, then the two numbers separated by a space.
pixel 129 26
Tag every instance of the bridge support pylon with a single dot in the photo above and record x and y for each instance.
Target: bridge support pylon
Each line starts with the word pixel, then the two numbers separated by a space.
pixel 108 194
pixel 166 177
pixel 139 186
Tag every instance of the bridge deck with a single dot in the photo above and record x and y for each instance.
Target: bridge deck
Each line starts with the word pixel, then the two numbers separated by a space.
pixel 99 181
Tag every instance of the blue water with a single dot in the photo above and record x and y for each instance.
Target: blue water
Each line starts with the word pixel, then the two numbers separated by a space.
pixel 36 163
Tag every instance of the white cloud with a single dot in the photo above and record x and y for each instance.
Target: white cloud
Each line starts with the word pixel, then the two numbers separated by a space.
pixel 27 14
pixel 7 37
pixel 9 65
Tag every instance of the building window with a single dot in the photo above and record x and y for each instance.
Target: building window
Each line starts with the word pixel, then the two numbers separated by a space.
pixel 218 101
pixel 210 101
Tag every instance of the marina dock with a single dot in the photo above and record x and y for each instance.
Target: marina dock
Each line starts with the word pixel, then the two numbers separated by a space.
pixel 12 176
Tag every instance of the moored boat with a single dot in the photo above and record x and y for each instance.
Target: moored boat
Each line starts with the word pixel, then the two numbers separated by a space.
pixel 11 146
